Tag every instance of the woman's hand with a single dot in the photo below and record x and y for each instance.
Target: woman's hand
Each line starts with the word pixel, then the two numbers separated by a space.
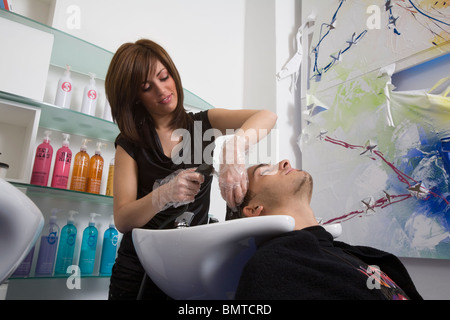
pixel 233 180
pixel 177 189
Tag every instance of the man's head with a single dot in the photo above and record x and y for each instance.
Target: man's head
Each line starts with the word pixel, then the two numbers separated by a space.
pixel 276 190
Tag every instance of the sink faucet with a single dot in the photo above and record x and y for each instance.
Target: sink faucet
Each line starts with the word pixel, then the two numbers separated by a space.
pixel 184 220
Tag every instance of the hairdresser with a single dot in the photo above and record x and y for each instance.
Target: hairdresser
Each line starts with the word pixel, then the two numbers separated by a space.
pixel 145 92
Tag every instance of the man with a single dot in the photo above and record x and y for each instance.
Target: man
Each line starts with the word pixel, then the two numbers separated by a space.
pixel 307 263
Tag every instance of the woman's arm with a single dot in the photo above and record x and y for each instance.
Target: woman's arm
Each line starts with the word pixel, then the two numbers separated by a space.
pixel 249 127
pixel 130 213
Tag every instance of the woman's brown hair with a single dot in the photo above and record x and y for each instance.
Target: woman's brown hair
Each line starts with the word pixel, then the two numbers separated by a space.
pixel 127 71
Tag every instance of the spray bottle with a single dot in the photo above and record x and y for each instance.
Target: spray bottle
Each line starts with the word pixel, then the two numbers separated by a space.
pixel 42 162
pixel 94 180
pixel 64 90
pixel 47 250
pixel 80 169
pixel 110 240
pixel 88 247
pixel 90 97
pixel 66 248
pixel 61 170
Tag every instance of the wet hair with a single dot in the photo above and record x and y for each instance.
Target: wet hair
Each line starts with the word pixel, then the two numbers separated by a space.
pixel 240 209
pixel 127 71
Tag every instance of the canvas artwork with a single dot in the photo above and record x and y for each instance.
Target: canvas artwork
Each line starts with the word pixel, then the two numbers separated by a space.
pixel 380 158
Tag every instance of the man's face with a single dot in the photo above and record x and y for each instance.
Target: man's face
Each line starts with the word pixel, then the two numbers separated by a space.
pixel 280 182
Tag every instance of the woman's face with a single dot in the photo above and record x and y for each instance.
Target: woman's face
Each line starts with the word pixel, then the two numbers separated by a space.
pixel 159 93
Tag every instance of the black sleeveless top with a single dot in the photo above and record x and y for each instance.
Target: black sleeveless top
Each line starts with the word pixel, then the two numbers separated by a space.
pixel 154 165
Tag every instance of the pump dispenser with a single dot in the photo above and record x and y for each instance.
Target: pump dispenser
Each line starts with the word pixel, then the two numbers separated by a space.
pixel 94 180
pixel 61 170
pixel 64 90
pixel 80 169
pixel 42 162
pixel 47 250
pixel 89 247
pixel 110 240
pixel 90 97
pixel 66 248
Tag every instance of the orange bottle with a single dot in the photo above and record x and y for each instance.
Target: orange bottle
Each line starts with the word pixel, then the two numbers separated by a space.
pixel 80 169
pixel 95 172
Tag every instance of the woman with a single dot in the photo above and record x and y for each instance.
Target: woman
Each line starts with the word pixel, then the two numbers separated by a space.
pixel 145 92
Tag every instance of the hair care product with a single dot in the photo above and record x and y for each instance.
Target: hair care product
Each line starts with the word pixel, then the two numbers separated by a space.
pixel 107 112
pixel 47 250
pixel 80 169
pixel 90 96
pixel 110 240
pixel 23 270
pixel 66 247
pixel 88 247
pixel 110 184
pixel 94 180
pixel 42 162
pixel 61 169
pixel 64 90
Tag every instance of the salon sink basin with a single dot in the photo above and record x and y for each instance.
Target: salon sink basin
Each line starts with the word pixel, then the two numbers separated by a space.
pixel 21 223
pixel 204 262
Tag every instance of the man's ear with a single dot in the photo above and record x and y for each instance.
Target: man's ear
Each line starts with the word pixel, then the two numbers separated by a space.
pixel 251 211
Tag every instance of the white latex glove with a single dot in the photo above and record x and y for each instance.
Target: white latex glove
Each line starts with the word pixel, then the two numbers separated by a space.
pixel 233 180
pixel 177 189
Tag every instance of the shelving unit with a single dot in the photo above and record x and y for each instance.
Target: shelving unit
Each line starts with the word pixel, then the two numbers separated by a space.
pixel 83 57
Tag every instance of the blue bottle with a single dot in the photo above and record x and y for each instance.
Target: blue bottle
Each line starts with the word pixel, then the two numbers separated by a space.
pixel 110 239
pixel 47 250
pixel 88 247
pixel 67 241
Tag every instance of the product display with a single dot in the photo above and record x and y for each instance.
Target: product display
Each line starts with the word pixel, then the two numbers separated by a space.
pixel 109 249
pixel 64 90
pixel 80 169
pixel 42 162
pixel 88 247
pixel 90 96
pixel 110 184
pixel 66 248
pixel 94 180
pixel 62 165
pixel 47 249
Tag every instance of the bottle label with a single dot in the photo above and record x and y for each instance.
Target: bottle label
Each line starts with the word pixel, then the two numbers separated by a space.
pixel 92 241
pixel 92 94
pixel 66 87
pixel 52 238
pixel 42 153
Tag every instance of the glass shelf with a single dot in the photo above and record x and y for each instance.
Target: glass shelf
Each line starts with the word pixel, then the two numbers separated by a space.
pixel 33 191
pixel 66 120
pixel 58 276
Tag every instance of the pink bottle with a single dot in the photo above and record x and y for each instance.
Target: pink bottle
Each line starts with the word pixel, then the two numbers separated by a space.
pixel 61 170
pixel 42 162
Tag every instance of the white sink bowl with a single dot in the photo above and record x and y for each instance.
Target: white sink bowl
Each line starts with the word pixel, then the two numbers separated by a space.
pixel 204 262
pixel 21 223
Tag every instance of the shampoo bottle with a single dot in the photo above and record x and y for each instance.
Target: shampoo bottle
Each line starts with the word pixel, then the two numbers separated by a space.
pixel 95 171
pixel 23 270
pixel 80 169
pixel 47 250
pixel 64 90
pixel 90 95
pixel 88 247
pixel 110 184
pixel 66 247
pixel 62 165
pixel 42 162
pixel 110 240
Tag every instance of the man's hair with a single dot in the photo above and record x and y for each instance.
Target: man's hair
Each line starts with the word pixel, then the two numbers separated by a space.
pixel 239 213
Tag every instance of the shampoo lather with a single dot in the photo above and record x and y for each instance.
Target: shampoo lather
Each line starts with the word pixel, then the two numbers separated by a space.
pixel 61 170
pixel 42 162
pixel 67 243
pixel 89 247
